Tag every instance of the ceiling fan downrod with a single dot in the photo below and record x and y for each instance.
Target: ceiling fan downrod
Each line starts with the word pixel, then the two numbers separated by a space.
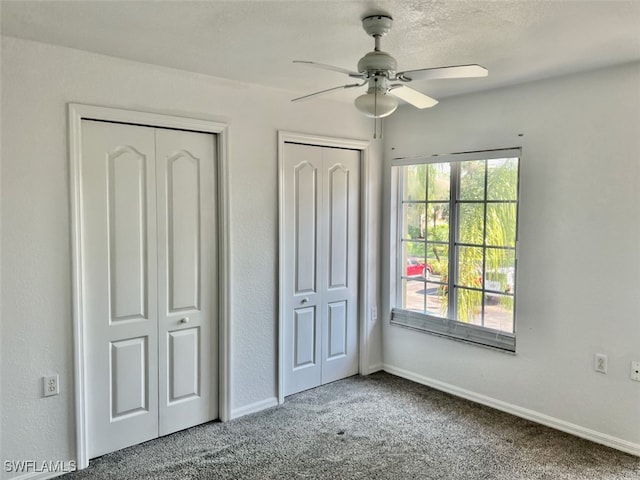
pixel 377 62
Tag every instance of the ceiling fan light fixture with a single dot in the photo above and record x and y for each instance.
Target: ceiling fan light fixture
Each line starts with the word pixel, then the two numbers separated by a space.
pixel 376 104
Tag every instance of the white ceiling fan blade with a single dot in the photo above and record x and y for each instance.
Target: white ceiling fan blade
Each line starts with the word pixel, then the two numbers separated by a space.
pixel 324 66
pixel 322 92
pixel 413 97
pixel 457 71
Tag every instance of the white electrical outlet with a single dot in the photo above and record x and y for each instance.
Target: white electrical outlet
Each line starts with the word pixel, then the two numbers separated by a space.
pixel 374 314
pixel 635 371
pixel 601 363
pixel 51 385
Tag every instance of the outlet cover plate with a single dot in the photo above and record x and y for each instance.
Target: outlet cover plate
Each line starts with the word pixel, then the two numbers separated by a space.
pixel 51 385
pixel 635 371
pixel 600 363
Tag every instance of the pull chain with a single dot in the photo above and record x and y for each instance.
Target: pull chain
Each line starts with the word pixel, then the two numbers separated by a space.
pixel 375 128
pixel 375 110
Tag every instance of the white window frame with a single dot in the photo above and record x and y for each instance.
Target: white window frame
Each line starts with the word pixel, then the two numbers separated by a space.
pixel 446 327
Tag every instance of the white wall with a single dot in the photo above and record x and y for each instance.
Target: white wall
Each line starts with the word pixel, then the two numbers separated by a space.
pixel 36 325
pixel 579 254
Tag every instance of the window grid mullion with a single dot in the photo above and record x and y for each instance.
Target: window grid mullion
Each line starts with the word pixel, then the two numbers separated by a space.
pixel 476 289
pixel 495 247
pixel 426 235
pixel 400 234
pixel 452 308
pixel 424 259
pixel 481 201
pixel 484 239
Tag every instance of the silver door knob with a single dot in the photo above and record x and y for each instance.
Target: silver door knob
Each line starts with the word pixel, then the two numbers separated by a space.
pixel 184 320
pixel 304 300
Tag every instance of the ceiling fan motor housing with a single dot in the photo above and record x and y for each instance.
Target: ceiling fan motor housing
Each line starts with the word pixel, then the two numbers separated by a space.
pixel 377 63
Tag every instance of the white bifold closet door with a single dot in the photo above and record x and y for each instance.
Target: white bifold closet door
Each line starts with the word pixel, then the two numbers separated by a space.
pixel 320 278
pixel 149 281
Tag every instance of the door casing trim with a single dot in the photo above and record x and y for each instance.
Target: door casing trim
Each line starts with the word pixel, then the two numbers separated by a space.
pixel 76 113
pixel 363 244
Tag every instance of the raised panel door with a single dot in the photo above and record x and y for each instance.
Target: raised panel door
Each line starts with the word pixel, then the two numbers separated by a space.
pixel 302 197
pixel 187 266
pixel 320 200
pixel 119 252
pixel 150 281
pixel 341 169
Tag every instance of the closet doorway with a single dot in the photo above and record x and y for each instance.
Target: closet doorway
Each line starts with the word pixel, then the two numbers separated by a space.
pixel 147 276
pixel 320 291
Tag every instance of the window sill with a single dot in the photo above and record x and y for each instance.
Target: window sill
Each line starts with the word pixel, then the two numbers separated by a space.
pixel 455 330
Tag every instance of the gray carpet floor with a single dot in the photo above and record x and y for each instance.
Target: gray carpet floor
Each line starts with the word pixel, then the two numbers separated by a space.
pixel 375 427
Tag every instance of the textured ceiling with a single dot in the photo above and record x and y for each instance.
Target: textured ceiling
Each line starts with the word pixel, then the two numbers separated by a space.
pixel 255 41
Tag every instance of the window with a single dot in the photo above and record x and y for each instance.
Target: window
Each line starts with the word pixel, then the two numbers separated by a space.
pixel 456 245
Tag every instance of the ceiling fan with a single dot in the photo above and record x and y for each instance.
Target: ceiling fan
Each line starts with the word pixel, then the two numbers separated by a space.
pixel 378 70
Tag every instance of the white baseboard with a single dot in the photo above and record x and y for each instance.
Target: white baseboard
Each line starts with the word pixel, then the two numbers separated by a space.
pixel 375 368
pixel 38 475
pixel 541 418
pixel 254 407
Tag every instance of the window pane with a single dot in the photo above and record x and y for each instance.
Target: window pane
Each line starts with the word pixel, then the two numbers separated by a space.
pixel 501 224
pixel 498 312
pixel 472 180
pixel 470 267
pixel 436 300
pixel 500 268
pixel 469 306
pixel 438 260
pixel 413 220
pixel 414 255
pixel 437 222
pixel 502 179
pixel 439 175
pixel 413 293
pixel 471 223
pixel 415 186
pixel 416 267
